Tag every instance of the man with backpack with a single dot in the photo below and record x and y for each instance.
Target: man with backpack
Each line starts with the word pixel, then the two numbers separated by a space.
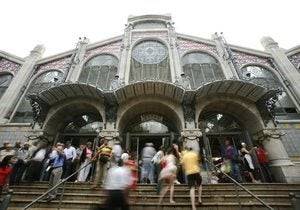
pixel 103 154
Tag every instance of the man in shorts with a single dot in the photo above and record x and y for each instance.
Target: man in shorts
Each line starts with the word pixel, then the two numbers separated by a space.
pixel 190 163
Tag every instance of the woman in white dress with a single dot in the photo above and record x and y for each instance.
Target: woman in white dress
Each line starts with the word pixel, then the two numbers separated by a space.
pixel 85 158
pixel 168 174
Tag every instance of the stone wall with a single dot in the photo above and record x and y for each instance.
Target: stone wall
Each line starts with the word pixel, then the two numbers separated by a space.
pixel 15 132
pixel 291 138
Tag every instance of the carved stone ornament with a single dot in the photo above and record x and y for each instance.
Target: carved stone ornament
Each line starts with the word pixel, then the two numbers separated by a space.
pixel 150 52
pixel 268 134
pixel 109 134
pixel 191 134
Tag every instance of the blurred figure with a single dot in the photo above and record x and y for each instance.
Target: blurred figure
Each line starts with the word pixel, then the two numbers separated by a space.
pixel 117 151
pixel 70 153
pixel 6 167
pixel 264 163
pixel 57 158
pixel 168 174
pixel 190 162
pixel 156 161
pixel 231 155
pixel 85 159
pixel 248 163
pixel 104 155
pixel 7 150
pixel 147 165
pixel 4 145
pixel 131 164
pixel 79 151
pixel 35 166
pixel 117 183
pixel 20 167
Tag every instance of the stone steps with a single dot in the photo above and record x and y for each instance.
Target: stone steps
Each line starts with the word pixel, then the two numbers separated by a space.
pixel 220 196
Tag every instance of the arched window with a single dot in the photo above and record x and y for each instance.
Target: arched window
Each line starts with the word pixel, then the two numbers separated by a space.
pixel 100 71
pixel 264 77
pixel 201 68
pixel 150 61
pixel 261 76
pixel 5 80
pixel 42 82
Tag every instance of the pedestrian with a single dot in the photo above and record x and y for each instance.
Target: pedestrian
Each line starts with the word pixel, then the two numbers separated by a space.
pixel 168 174
pixel 263 160
pixel 131 164
pixel 57 158
pixel 117 151
pixel 70 153
pixel 104 154
pixel 85 159
pixel 6 169
pixel 231 157
pixel 247 161
pixel 19 168
pixel 147 173
pixel 7 150
pixel 190 163
pixel 156 160
pixel 35 165
pixel 117 184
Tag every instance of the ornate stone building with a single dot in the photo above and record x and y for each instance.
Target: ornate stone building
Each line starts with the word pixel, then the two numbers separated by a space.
pixel 154 84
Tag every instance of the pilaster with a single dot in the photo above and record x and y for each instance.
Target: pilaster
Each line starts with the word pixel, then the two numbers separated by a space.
pixel 225 58
pixel 280 162
pixel 19 84
pixel 77 61
pixel 288 70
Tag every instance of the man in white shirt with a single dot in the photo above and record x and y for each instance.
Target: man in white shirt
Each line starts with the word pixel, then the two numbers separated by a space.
pixel 70 154
pixel 117 182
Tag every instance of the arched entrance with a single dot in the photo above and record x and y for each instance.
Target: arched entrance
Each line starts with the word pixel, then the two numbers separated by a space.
pixel 148 121
pixel 226 118
pixel 78 121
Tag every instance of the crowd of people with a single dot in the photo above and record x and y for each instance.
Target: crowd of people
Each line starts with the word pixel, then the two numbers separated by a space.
pixel 118 170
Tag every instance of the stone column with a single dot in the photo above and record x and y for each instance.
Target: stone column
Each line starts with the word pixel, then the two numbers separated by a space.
pixel 19 84
pixel 225 59
pixel 110 134
pixel 191 138
pixel 282 167
pixel 288 70
pixel 77 61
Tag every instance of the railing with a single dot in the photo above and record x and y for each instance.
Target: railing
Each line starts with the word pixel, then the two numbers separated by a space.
pixel 239 185
pixel 62 182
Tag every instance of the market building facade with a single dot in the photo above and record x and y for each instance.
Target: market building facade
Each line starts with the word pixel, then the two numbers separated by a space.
pixel 152 84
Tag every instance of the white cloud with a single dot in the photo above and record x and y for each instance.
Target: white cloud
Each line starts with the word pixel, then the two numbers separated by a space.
pixel 58 23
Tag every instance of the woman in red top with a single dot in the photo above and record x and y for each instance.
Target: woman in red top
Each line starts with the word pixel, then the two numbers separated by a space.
pixel 6 170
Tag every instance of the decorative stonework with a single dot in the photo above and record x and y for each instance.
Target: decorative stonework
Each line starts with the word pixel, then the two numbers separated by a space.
pixel 8 66
pixel 295 60
pixel 149 34
pixel 191 134
pixel 109 134
pixel 112 48
pixel 61 64
pixel 244 58
pixel 185 45
pixel 268 134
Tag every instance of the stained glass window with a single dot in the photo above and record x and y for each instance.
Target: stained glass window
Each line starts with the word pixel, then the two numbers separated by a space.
pixel 201 68
pixel 100 71
pixel 150 61
pixel 5 80
pixel 42 82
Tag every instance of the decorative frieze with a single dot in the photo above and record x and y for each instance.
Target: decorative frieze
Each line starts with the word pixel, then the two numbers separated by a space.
pixel 295 60
pixel 112 48
pixel 242 59
pixel 9 66
pixel 185 45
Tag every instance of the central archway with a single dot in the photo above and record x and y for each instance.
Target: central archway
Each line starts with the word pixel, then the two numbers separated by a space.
pixel 149 120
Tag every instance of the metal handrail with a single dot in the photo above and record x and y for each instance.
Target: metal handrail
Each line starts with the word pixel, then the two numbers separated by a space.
pixel 63 181
pixel 241 186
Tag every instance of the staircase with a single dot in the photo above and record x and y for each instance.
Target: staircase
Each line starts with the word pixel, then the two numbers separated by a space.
pixel 215 197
